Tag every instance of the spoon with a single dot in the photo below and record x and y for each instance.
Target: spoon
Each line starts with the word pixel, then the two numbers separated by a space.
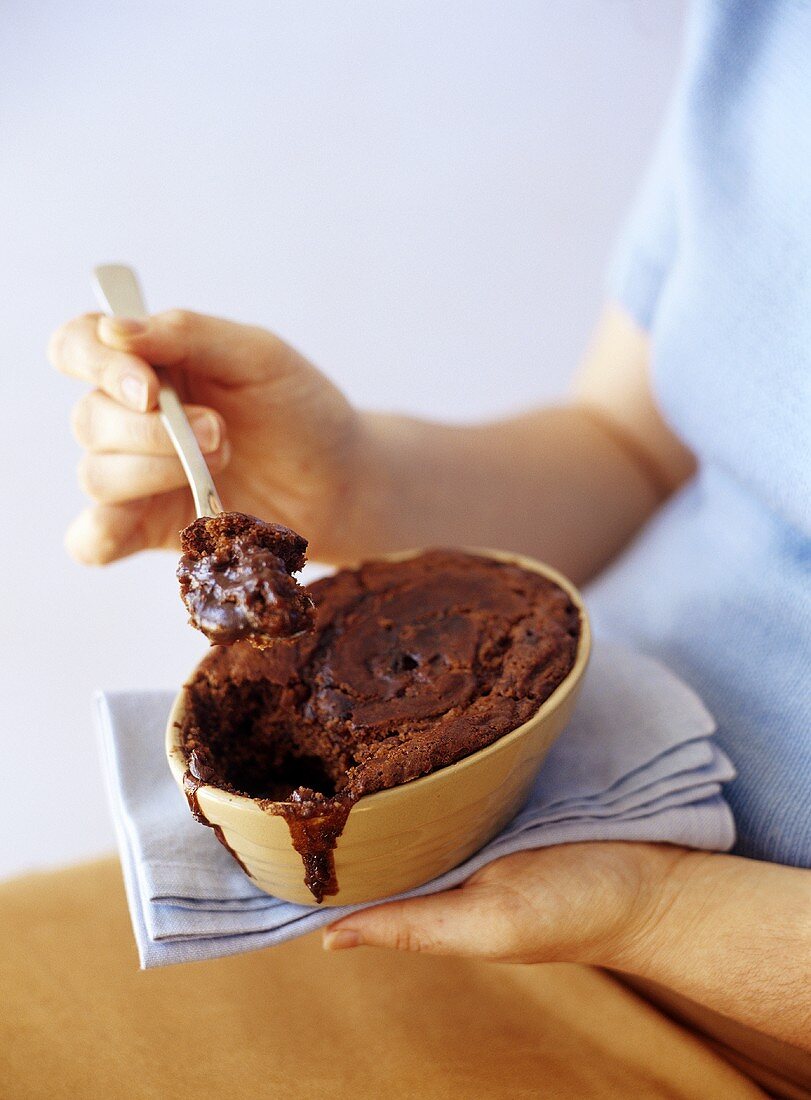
pixel 119 294
pixel 236 575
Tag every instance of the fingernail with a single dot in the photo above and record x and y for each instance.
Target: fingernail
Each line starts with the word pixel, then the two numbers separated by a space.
pixel 135 392
pixel 206 428
pixel 123 326
pixel 340 939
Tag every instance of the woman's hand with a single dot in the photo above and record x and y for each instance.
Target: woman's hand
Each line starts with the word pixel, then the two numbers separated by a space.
pixel 572 903
pixel 733 934
pixel 282 441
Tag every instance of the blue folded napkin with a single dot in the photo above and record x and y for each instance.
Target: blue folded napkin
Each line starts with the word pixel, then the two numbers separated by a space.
pixel 635 763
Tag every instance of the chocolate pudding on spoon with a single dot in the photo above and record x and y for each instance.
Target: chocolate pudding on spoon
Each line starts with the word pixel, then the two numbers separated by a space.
pixel 236 580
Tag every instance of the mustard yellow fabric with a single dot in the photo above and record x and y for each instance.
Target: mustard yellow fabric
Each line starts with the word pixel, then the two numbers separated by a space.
pixel 79 1020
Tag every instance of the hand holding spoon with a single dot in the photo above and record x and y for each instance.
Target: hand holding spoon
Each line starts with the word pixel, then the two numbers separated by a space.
pixel 236 571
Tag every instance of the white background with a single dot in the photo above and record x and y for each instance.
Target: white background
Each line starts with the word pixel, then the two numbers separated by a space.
pixel 421 195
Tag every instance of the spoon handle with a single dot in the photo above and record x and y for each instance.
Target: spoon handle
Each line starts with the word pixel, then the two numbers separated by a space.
pixel 118 292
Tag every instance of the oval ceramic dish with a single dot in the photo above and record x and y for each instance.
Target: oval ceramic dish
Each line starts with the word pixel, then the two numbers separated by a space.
pixel 397 839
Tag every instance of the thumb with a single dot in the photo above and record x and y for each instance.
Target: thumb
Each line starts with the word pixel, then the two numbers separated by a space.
pixel 222 350
pixel 108 532
pixel 474 920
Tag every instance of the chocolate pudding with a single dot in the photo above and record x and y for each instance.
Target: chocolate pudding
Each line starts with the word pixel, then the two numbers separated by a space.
pixel 411 666
pixel 236 580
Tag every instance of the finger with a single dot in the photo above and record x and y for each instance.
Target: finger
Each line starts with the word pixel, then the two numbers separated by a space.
pixel 76 350
pixel 101 425
pixel 116 478
pixel 473 920
pixel 108 532
pixel 227 352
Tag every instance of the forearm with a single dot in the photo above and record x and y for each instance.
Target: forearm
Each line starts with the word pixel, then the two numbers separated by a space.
pixel 734 935
pixel 569 484
pixel 555 484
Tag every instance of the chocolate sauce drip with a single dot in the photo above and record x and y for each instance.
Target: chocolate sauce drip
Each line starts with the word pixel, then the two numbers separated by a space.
pixel 315 824
pixel 191 785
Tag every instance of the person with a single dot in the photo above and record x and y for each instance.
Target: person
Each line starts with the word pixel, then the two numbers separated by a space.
pixel 674 481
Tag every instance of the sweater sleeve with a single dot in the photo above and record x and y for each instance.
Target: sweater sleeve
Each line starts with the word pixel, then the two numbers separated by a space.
pixel 644 254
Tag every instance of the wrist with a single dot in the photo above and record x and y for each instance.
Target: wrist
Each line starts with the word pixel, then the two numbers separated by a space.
pixel 730 933
pixel 363 499
pixel 385 482
pixel 649 918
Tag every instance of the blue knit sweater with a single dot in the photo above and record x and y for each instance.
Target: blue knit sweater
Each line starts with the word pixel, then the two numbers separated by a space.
pixel 716 263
